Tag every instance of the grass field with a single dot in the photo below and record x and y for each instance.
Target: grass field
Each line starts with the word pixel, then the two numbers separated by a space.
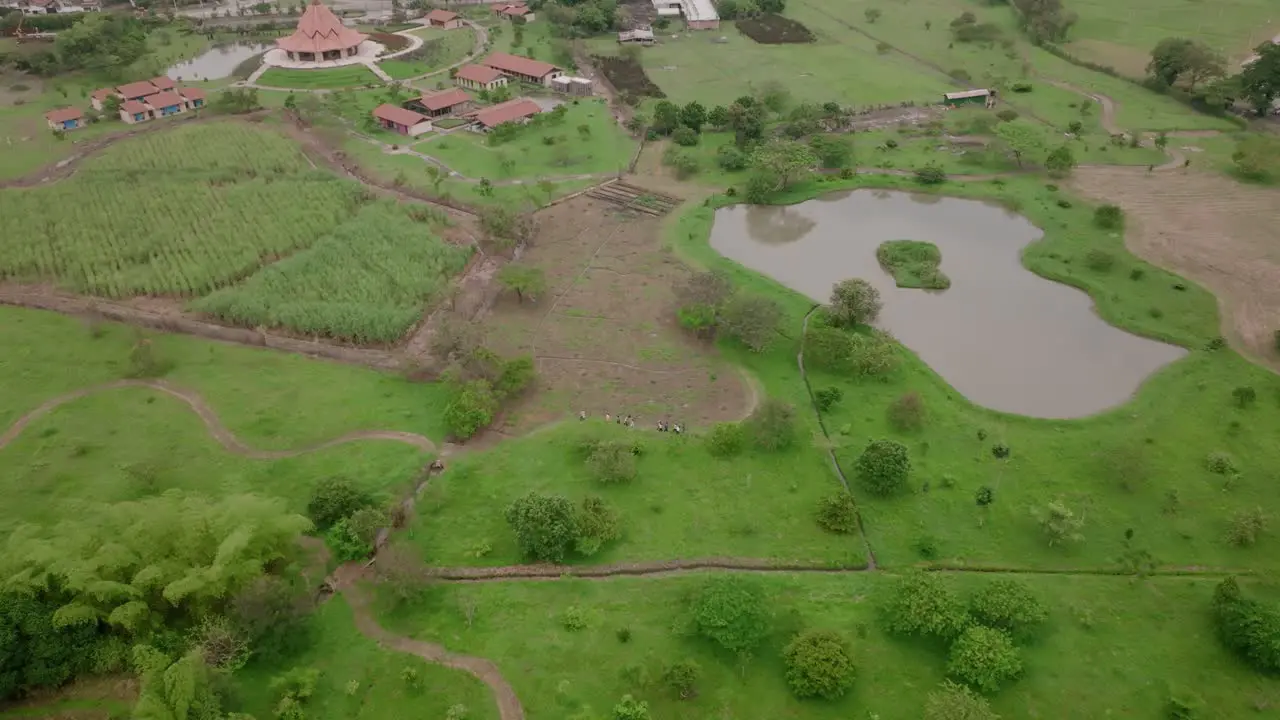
pixel 181 212
pixel 602 148
pixel 440 49
pixel 684 503
pixel 1108 634
pixel 348 660
pixel 367 282
pixel 1110 33
pixel 341 77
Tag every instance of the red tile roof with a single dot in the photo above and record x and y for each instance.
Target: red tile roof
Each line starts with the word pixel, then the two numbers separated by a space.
pixel 162 83
pixel 102 94
pixel 508 111
pixel 516 10
pixel 517 65
pixel 319 30
pixel 478 73
pixel 133 107
pixel 136 89
pixel 397 115
pixel 192 93
pixel 444 99
pixel 63 114
pixel 441 16
pixel 163 99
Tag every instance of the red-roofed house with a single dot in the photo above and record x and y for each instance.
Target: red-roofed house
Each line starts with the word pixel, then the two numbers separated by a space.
pixel 321 36
pixel 166 103
pixel 162 83
pixel 98 97
pixel 523 68
pixel 397 119
pixel 438 104
pixel 512 111
pixel 136 90
pixel 134 111
pixel 65 119
pixel 443 19
pixel 479 77
pixel 195 97
pixel 510 11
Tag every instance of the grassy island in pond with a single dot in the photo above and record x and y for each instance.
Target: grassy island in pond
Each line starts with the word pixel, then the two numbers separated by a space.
pixel 913 264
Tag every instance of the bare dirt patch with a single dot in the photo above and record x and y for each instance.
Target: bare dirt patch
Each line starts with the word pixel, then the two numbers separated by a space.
pixel 770 29
pixel 390 41
pixel 627 75
pixel 1210 229
pixel 602 335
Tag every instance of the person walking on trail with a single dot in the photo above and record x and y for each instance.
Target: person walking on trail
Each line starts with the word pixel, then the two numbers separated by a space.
pixel 582 414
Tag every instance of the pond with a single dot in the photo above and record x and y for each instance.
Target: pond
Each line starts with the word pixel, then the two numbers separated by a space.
pixel 1003 336
pixel 218 62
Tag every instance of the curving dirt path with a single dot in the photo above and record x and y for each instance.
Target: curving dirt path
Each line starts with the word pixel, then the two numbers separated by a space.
pixel 212 423
pixel 509 707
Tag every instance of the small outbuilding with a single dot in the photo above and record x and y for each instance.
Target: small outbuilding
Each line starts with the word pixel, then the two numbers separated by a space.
pixel 570 85
pixel 397 119
pixel 982 96
pixel 636 36
pixel 65 119
pixel 443 19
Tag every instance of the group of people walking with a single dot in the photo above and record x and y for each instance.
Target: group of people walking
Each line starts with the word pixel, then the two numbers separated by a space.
pixel 630 421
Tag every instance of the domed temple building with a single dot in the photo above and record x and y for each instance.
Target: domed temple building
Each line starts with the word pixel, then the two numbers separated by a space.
pixel 321 36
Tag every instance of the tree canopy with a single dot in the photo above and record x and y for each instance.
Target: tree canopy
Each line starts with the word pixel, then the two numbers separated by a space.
pixel 1175 59
pixel 1260 80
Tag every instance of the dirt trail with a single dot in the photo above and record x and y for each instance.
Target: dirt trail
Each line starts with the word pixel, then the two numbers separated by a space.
pixel 225 437
pixel 509 707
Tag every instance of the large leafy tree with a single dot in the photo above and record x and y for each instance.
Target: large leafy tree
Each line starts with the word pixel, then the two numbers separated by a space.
pixel 1260 80
pixel 103 41
pixel 546 526
pixel 1024 140
pixel 1175 59
pixel 133 564
pixel 731 612
pixel 783 162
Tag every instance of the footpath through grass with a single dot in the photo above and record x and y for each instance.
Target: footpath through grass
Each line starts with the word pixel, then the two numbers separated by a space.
pixel 440 49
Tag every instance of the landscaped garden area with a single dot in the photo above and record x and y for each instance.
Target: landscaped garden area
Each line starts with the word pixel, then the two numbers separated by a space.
pixel 440 49
pixel 348 76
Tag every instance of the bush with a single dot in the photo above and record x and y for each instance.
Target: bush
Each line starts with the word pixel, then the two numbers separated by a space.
pixel 753 320
pixel 1009 605
pixel 908 412
pixel 826 398
pixel 1247 627
pixel 818 665
pixel 628 708
pixel 730 611
pixel 612 462
pixel 545 526
pixel 828 348
pixel 1099 260
pixel 772 426
pixel 838 513
pixel 1000 451
pixel 682 676
pixel 985 496
pixel 1007 115
pixel 920 604
pixel 1059 523
pixel 871 355
pixel 333 499
pixel 931 174
pixel 1021 87
pixel 731 159
pixel 726 439
pixel 1220 463
pixel 471 410
pixel 597 523
pixel 952 701
pixel 854 302
pixel 1246 527
pixel 685 136
pixel 984 658
pixel 1244 396
pixel 1109 217
pixel 884 467
pixel 573 619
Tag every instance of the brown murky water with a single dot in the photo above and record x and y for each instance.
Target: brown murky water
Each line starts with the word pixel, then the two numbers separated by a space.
pixel 216 63
pixel 1001 335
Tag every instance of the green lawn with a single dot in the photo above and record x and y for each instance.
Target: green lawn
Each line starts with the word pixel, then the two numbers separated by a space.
pixel 841 66
pixel 341 77
pixel 360 680
pixel 684 503
pixel 441 49
pixel 1110 635
pixel 603 148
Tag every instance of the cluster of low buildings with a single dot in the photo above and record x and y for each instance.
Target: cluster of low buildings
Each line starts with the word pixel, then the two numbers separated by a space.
pixel 51 7
pixel 512 10
pixel 139 102
pixel 494 72
pixel 698 14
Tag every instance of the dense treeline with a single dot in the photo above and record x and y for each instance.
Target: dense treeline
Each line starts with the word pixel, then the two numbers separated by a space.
pixel 105 43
